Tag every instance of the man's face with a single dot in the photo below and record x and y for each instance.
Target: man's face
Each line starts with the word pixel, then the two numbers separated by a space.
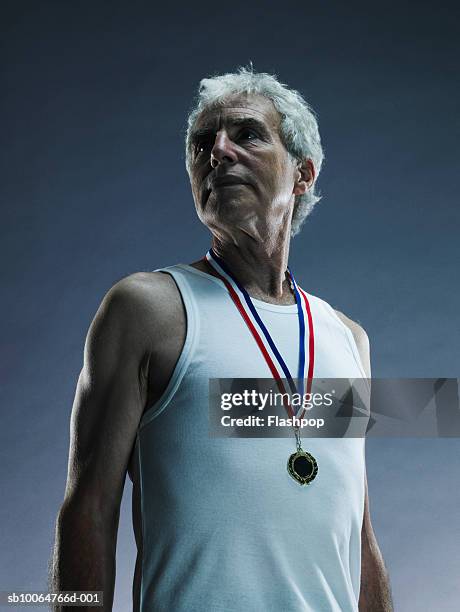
pixel 240 173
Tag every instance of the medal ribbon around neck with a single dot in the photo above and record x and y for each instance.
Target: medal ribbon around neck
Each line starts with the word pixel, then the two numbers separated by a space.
pixel 301 465
pixel 264 341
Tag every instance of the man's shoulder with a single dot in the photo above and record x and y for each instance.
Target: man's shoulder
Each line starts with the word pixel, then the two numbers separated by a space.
pixel 141 297
pixel 361 339
pixel 356 329
pixel 141 285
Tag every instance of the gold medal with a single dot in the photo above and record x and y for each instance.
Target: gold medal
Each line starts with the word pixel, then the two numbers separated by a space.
pixel 301 465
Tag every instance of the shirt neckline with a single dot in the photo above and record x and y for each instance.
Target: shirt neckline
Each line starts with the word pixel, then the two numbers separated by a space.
pixel 288 308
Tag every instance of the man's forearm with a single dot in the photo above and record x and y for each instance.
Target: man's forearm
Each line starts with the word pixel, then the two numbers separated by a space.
pixel 84 554
pixel 375 593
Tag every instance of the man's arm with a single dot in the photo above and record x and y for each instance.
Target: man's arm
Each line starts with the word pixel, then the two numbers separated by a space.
pixel 109 401
pixel 375 592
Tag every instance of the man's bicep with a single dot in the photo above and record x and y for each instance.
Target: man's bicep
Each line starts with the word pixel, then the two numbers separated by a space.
pixel 108 405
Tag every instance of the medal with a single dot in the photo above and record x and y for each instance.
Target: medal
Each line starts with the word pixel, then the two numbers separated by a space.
pixel 301 465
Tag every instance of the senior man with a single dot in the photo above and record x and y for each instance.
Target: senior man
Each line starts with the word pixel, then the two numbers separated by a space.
pixel 220 523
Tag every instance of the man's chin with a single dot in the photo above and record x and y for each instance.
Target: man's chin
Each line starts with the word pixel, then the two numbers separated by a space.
pixel 219 213
pixel 223 201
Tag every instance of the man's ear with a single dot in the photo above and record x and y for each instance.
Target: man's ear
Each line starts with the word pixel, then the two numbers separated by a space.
pixel 304 177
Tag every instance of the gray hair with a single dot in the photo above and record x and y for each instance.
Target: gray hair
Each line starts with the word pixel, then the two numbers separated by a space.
pixel 298 128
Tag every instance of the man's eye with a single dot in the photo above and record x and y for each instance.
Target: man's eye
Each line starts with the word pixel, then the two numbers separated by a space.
pixel 247 134
pixel 201 146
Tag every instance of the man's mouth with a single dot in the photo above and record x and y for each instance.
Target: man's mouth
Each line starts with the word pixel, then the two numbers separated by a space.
pixel 217 183
pixel 227 181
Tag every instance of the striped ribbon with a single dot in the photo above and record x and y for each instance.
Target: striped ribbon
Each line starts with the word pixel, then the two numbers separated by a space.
pixel 267 346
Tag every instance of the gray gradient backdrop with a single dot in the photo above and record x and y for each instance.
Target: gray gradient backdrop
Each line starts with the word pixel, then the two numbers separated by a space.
pixel 93 186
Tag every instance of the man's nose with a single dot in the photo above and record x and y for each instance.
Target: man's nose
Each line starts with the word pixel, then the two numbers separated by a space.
pixel 222 151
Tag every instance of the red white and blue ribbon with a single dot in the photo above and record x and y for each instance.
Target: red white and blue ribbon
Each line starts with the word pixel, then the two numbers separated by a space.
pixel 270 352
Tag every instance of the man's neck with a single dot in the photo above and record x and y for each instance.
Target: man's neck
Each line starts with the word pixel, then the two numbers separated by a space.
pixel 259 267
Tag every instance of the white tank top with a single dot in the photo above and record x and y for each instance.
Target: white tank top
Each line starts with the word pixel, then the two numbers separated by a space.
pixel 221 525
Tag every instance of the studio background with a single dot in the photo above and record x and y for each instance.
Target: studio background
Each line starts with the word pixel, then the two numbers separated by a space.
pixel 93 187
